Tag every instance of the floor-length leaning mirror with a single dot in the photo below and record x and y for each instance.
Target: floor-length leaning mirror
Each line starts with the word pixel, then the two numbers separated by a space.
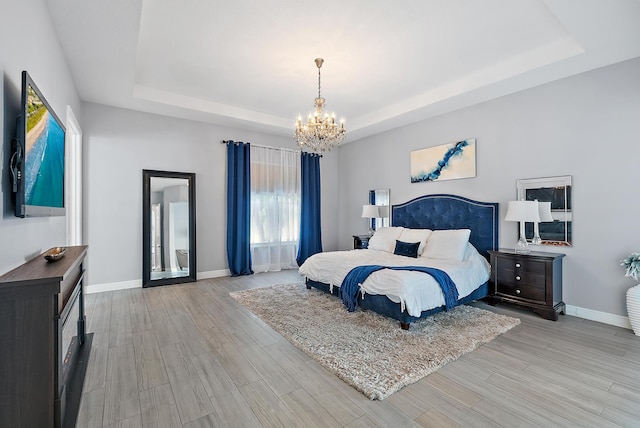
pixel 168 227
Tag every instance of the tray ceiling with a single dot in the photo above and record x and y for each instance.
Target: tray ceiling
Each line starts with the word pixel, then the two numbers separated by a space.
pixel 250 63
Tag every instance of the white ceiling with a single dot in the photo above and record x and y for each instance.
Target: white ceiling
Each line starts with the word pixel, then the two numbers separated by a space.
pixel 387 63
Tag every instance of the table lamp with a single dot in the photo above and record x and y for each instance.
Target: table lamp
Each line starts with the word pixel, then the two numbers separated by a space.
pixel 544 211
pixel 522 211
pixel 369 212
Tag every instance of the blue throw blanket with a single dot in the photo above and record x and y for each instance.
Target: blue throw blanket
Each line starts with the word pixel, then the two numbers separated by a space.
pixel 357 275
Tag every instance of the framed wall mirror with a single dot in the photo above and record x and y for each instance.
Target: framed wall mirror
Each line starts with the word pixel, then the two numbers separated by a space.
pixel 168 227
pixel 381 197
pixel 557 191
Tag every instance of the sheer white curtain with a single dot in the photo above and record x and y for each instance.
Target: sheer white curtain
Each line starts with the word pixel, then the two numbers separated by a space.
pixel 275 208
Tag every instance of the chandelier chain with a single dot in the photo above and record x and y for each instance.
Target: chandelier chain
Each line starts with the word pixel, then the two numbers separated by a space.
pixel 319 83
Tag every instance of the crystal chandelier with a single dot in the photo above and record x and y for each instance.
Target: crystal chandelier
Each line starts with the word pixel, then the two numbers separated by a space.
pixel 321 132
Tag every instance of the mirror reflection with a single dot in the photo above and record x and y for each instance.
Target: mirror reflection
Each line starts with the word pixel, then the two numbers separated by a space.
pixel 168 228
pixel 557 191
pixel 381 197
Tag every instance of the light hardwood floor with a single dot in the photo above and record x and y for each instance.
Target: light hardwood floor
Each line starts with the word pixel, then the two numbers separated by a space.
pixel 189 356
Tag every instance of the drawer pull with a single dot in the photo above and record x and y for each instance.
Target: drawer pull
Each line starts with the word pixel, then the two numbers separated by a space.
pixel 517 277
pixel 517 291
pixel 517 265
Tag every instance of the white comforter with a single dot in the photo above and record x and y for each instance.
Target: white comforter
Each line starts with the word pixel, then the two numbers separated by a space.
pixel 415 291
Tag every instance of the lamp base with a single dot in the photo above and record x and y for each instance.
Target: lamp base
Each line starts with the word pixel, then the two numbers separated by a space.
pixel 522 246
pixel 536 234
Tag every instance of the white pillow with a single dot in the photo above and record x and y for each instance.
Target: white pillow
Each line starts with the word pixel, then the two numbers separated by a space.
pixel 416 235
pixel 471 255
pixel 470 252
pixel 384 239
pixel 447 244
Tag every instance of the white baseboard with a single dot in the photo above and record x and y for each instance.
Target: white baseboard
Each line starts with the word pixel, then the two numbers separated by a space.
pixel 137 283
pixel 214 274
pixel 603 317
pixel 112 286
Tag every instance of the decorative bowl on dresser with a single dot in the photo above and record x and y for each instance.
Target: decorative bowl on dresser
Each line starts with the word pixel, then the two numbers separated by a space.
pixel 532 280
pixel 42 327
pixel 54 254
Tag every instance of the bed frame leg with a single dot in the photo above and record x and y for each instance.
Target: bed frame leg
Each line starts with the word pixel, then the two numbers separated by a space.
pixel 404 325
pixel 308 286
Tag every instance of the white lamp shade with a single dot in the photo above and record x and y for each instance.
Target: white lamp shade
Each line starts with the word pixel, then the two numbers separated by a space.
pixel 525 211
pixel 544 211
pixel 370 211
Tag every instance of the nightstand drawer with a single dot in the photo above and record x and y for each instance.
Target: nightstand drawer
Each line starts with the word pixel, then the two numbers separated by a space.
pixel 522 291
pixel 361 242
pixel 520 265
pixel 518 277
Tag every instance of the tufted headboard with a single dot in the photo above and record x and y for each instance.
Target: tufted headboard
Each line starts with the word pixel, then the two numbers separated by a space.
pixel 451 212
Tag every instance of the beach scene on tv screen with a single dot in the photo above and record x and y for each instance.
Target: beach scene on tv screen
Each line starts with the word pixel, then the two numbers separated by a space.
pixel 44 160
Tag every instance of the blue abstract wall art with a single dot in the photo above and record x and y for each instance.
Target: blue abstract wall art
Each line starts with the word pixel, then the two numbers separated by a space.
pixel 445 162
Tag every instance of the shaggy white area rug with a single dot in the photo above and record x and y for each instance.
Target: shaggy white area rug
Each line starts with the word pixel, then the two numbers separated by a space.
pixel 368 351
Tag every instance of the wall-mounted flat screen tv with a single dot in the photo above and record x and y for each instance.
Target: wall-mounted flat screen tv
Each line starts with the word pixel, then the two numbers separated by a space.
pixel 37 162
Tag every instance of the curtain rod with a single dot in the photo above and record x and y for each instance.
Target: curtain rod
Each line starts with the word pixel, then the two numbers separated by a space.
pixel 269 147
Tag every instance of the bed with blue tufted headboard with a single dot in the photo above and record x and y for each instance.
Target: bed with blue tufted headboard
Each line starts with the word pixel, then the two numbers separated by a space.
pixel 436 212
pixel 444 211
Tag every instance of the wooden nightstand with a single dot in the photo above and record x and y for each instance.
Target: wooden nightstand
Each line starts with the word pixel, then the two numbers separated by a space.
pixel 532 280
pixel 361 242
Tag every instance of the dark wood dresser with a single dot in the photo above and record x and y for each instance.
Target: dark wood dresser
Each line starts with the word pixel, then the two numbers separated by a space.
pixel 42 326
pixel 532 280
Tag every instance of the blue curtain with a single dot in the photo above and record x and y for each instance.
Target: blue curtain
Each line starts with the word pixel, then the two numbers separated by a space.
pixel 238 208
pixel 310 230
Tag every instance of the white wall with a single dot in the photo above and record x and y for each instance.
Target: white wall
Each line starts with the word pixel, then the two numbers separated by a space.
pixel 119 144
pixel 585 126
pixel 28 42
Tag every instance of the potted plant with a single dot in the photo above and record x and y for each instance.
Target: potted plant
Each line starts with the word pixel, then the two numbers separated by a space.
pixel 632 266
